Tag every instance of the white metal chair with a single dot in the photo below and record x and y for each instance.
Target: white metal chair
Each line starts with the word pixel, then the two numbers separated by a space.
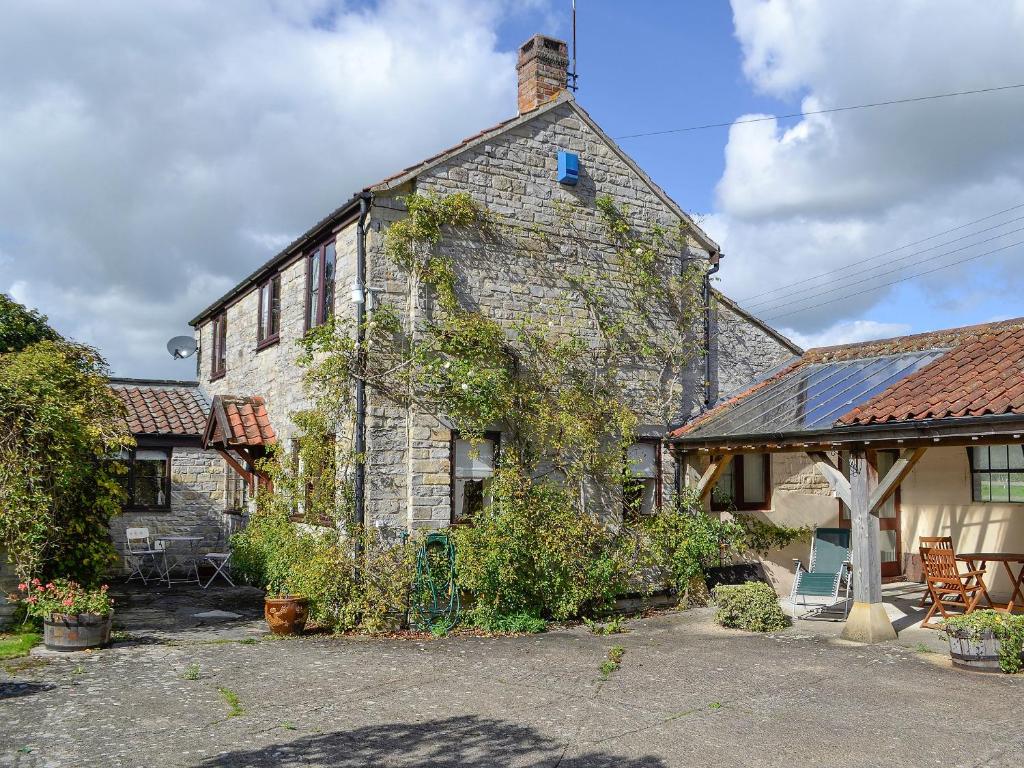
pixel 221 562
pixel 142 558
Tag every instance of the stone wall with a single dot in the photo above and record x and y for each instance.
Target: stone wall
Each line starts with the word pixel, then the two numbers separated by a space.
pixel 742 349
pixel 198 504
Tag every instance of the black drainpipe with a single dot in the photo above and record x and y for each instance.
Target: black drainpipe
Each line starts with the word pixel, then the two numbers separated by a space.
pixel 715 264
pixel 360 437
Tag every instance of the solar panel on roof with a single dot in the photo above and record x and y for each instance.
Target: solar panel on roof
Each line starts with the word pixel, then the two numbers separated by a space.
pixel 814 396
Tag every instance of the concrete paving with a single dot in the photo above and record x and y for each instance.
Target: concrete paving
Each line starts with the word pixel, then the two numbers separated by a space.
pixel 686 694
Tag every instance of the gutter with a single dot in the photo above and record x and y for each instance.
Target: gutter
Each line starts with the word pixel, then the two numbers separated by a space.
pixel 361 318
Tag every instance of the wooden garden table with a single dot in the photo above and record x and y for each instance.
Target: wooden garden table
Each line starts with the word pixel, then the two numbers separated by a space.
pixel 1008 559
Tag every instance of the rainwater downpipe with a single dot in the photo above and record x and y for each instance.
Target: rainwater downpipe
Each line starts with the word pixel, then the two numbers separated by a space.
pixel 360 436
pixel 715 265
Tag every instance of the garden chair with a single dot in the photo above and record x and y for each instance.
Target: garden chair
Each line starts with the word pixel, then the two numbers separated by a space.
pixel 141 557
pixel 221 562
pixel 828 571
pixel 940 542
pixel 949 586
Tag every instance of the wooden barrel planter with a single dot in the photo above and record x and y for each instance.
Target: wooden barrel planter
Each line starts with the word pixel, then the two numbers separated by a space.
pixel 286 615
pixel 976 652
pixel 76 633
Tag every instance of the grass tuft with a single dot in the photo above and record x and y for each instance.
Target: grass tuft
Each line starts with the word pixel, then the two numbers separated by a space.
pixel 233 702
pixel 17 644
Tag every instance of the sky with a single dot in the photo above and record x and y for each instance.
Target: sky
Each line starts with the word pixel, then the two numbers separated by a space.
pixel 152 154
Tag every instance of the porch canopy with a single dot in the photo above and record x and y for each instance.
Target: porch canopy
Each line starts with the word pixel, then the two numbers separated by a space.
pixel 239 429
pixel 956 387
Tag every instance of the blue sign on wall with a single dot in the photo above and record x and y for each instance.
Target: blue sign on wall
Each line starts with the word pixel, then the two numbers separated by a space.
pixel 568 168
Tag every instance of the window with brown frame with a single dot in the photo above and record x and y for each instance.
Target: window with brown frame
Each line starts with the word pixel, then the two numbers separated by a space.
pixel 641 483
pixel 746 483
pixel 219 355
pixel 472 466
pixel 269 319
pixel 320 267
pixel 319 493
pixel 147 481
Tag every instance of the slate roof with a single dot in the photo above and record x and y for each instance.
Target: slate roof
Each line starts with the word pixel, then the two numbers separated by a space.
pixel 964 372
pixel 163 408
pixel 238 421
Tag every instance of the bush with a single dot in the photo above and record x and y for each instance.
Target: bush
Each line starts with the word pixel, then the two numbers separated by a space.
pixel 532 552
pixel 515 623
pixel 752 606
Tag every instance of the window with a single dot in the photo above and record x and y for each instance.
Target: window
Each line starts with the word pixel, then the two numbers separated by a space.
pixel 641 486
pixel 745 483
pixel 148 480
pixel 320 285
pixel 219 356
pixel 997 473
pixel 269 320
pixel 236 491
pixel 473 466
pixel 319 469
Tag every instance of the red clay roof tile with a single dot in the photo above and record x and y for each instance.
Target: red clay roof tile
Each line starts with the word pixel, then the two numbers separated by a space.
pixel 162 407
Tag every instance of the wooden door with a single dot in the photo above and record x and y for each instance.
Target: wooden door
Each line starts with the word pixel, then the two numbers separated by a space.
pixel 890 545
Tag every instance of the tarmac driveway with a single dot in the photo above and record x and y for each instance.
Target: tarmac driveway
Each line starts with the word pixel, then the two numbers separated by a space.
pixel 686 694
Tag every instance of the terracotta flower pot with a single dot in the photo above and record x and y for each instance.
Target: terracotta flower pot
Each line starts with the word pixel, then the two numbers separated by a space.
pixel 63 632
pixel 286 615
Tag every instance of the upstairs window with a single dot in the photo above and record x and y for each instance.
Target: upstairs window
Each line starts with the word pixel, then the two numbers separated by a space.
pixel 473 466
pixel 641 484
pixel 269 320
pixel 997 473
pixel 320 267
pixel 219 356
pixel 148 479
pixel 745 483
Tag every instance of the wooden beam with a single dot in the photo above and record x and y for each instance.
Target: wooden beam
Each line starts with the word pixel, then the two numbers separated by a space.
pixel 836 479
pixel 897 473
pixel 712 474
pixel 247 476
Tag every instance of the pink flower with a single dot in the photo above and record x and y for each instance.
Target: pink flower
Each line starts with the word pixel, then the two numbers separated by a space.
pixel 31 599
pixel 36 582
pixel 49 585
pixel 23 587
pixel 68 601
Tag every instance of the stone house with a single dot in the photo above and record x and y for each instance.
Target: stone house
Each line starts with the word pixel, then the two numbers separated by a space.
pixel 175 486
pixel 417 472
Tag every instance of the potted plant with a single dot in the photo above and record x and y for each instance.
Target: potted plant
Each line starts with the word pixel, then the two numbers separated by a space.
pixel 285 614
pixel 986 641
pixel 74 617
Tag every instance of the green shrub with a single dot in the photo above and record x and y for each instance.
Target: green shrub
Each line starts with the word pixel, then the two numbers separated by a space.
pixel 752 606
pixel 532 552
pixel 1008 629
pixel 514 623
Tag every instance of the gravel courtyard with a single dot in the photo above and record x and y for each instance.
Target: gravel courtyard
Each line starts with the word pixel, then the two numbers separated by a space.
pixel 687 694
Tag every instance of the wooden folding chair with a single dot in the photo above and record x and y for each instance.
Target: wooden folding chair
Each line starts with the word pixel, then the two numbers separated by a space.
pixel 948 586
pixel 940 542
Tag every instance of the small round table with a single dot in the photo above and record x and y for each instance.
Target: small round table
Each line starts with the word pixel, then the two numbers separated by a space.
pixel 185 556
pixel 977 561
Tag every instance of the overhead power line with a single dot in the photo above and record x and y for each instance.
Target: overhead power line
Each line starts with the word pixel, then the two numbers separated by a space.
pixel 769 305
pixel 895 282
pixel 859 264
pixel 872 105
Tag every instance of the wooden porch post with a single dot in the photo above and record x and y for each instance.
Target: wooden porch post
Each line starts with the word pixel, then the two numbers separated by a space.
pixel 868 621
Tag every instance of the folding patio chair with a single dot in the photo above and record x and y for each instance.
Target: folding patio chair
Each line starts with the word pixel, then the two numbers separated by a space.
pixel 949 586
pixel 939 542
pixel 221 562
pixel 828 571
pixel 141 557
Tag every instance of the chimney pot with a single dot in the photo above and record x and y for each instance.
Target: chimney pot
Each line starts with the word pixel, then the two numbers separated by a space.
pixel 543 64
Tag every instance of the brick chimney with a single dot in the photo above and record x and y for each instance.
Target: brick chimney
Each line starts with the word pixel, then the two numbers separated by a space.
pixel 542 66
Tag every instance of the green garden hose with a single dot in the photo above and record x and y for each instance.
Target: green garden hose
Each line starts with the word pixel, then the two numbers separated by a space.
pixel 435 594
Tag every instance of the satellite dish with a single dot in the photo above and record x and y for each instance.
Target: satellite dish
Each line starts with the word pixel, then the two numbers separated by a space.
pixel 181 347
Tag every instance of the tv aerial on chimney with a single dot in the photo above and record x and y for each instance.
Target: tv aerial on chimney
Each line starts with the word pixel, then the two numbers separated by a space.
pixel 181 347
pixel 571 74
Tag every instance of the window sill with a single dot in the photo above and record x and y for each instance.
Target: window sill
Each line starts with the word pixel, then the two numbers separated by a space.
pixel 270 341
pixel 219 375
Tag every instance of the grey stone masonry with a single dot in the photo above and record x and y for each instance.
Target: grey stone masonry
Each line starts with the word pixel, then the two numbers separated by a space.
pixel 199 503
pixel 512 173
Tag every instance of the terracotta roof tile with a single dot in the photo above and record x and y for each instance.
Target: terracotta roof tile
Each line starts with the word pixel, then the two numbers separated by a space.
pixel 162 407
pixel 239 421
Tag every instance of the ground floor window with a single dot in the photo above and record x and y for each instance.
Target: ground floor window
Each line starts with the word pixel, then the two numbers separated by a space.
pixel 744 484
pixel 642 482
pixel 473 465
pixel 147 481
pixel 997 473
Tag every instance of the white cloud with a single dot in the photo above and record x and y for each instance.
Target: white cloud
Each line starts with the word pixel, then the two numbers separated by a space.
pixel 153 153
pixel 847 333
pixel 837 189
